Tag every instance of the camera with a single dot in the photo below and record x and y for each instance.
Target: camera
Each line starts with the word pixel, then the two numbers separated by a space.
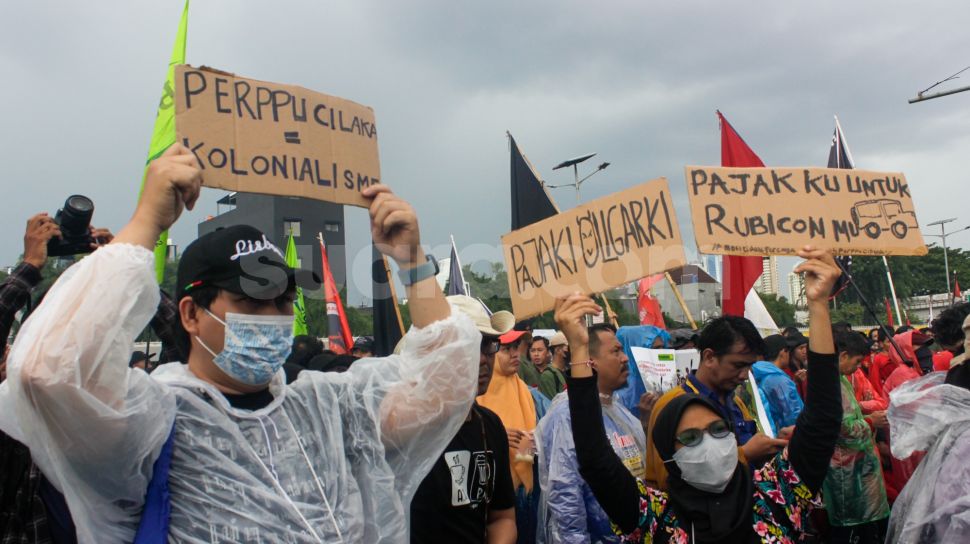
pixel 74 220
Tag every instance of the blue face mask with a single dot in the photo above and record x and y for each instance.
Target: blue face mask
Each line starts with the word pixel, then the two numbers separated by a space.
pixel 255 347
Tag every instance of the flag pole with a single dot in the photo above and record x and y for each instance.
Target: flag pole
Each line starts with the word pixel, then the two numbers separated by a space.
pixel 680 299
pixel 892 289
pixel 609 311
pixel 390 284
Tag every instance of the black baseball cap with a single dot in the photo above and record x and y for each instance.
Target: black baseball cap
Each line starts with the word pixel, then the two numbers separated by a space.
pixel 797 340
pixel 365 343
pixel 239 259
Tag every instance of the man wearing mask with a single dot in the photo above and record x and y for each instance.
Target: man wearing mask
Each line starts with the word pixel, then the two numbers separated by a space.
pixel 728 347
pixel 468 495
pixel 569 510
pixel 330 458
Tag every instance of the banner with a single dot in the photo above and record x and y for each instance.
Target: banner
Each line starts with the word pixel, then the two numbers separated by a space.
pixel 592 248
pixel 776 211
pixel 658 368
pixel 259 137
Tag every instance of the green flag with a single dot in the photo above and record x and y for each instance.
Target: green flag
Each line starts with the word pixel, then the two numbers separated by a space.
pixel 299 310
pixel 164 133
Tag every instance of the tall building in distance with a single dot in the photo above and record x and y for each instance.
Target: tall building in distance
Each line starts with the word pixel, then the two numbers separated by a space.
pixel 796 288
pixel 768 282
pixel 277 216
pixel 712 265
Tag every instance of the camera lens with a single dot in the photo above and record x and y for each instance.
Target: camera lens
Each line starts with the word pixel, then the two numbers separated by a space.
pixel 76 215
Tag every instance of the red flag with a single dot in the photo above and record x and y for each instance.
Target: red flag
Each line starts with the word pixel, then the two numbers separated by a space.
pixel 337 328
pixel 647 305
pixel 889 316
pixel 738 273
pixel 956 288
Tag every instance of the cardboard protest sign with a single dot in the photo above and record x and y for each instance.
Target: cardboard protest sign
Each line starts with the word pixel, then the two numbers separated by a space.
pixel 260 137
pixel 658 368
pixel 775 211
pixel 594 247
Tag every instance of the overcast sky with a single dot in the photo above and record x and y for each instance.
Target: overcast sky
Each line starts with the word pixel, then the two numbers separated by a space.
pixel 637 82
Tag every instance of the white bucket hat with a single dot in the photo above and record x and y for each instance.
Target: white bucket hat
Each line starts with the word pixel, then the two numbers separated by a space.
pixel 496 324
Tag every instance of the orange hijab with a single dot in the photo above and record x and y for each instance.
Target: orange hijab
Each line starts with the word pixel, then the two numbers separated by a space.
pixel 510 399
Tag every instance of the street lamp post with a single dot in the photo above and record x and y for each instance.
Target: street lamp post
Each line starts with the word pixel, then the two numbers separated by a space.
pixel 943 234
pixel 575 164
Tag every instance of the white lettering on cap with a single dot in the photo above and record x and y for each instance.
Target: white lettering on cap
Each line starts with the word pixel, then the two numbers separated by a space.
pixel 248 247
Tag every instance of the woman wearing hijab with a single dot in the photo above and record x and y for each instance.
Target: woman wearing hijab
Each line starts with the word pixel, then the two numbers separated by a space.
pixel 711 496
pixel 510 398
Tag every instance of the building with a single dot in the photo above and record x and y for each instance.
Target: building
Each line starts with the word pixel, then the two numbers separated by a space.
pixel 712 265
pixel 768 282
pixel 701 293
pixel 276 216
pixel 796 290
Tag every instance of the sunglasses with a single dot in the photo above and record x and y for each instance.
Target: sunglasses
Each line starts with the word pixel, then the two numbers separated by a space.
pixel 693 437
pixel 489 347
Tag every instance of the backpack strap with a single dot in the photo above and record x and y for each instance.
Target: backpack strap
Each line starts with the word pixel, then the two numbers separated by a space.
pixel 155 517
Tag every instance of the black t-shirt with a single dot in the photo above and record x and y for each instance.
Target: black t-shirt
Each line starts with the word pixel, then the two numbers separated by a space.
pixel 471 478
pixel 250 401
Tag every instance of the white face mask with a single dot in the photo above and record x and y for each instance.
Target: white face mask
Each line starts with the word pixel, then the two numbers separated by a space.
pixel 255 348
pixel 709 465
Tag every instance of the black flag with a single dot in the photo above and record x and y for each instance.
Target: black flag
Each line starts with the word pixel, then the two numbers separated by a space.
pixel 387 329
pixel 841 157
pixel 839 154
pixel 530 200
pixel 456 278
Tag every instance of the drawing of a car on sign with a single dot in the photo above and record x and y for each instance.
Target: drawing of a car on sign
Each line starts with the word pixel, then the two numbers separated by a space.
pixel 879 215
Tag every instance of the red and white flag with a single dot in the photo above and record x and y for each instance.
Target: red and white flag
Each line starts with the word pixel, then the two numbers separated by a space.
pixel 338 331
pixel 738 273
pixel 647 305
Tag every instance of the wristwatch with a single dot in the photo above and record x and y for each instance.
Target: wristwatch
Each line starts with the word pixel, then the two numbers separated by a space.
pixel 423 271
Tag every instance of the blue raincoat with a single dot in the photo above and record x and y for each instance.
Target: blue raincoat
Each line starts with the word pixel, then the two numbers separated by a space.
pixel 781 392
pixel 641 336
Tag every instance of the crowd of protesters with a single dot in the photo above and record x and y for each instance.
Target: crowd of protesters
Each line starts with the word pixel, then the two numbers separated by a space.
pixel 244 433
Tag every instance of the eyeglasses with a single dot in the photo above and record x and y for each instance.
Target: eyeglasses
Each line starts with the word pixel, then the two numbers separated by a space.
pixel 489 347
pixel 693 437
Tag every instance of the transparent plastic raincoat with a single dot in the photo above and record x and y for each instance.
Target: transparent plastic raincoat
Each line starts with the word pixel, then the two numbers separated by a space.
pixel 853 489
pixel 927 415
pixel 568 511
pixel 333 458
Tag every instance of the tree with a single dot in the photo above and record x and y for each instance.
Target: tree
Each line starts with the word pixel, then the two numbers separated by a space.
pixel 912 276
pixel 781 311
pixel 852 313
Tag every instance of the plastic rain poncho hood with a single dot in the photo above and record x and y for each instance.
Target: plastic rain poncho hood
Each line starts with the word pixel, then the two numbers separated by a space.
pixel 927 415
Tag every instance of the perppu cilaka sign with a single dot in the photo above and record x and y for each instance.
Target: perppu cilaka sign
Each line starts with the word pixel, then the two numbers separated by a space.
pixel 775 211
pixel 259 137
